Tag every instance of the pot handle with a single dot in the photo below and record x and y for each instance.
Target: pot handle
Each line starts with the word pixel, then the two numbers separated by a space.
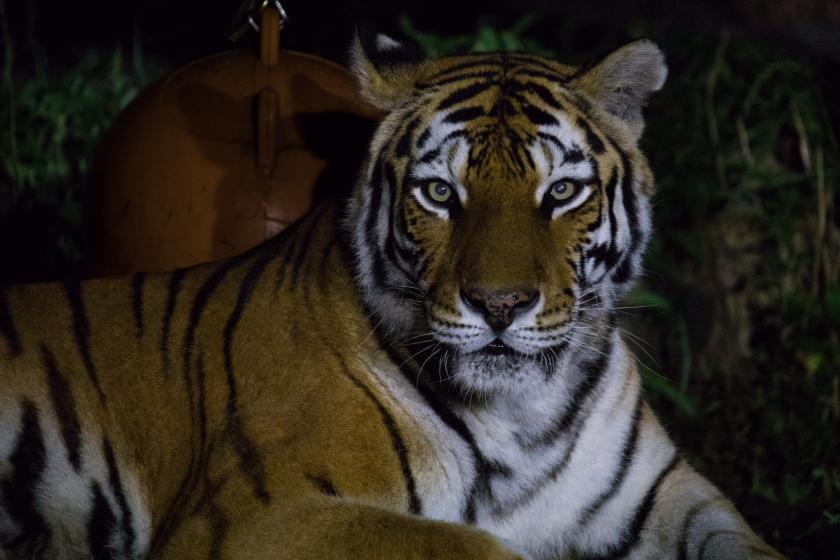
pixel 271 20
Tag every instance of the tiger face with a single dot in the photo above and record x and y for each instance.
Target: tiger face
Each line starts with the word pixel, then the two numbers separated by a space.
pixel 505 205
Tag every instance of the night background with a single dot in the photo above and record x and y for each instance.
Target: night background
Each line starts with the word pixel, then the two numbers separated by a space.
pixel 736 324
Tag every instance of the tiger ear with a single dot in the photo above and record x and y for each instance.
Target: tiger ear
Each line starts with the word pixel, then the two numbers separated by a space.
pixel 385 68
pixel 623 81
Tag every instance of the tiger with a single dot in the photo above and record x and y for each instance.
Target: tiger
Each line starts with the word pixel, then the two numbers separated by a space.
pixel 425 366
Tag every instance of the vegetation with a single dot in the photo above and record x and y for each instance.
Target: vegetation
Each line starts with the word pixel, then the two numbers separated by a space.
pixel 736 322
pixel 51 126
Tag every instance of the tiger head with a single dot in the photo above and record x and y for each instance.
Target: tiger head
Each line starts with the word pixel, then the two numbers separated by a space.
pixel 504 207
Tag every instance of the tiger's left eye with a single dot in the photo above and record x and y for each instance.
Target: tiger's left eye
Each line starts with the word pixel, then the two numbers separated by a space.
pixel 439 191
pixel 564 190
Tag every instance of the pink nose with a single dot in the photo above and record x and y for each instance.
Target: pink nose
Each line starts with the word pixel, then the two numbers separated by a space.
pixel 500 307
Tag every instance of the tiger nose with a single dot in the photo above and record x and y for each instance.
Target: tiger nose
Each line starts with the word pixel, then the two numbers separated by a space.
pixel 500 307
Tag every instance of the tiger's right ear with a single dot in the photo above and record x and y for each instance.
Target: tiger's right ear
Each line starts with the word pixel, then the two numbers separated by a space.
pixel 625 79
pixel 386 69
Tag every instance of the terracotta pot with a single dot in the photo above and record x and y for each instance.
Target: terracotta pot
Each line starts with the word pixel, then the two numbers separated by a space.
pixel 220 155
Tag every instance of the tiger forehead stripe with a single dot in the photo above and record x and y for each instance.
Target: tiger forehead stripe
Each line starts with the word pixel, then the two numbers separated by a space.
pixel 517 62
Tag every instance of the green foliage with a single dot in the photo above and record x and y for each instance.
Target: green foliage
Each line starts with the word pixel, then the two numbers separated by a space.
pixel 59 120
pixel 485 38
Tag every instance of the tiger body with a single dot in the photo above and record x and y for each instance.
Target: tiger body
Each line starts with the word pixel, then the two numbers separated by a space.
pixel 357 387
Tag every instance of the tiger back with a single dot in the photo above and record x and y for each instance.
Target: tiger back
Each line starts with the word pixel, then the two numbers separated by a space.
pixel 426 368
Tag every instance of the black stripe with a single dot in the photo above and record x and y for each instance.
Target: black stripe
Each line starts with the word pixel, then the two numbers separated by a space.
pixel 81 331
pixel 391 245
pixel 119 494
pixel 528 60
pixel 201 379
pixel 324 485
pixel 596 145
pixel 465 77
pixel 199 303
pixel 377 185
pixel 430 156
pixel 220 527
pixel 506 509
pixel 176 278
pixel 627 452
pixel 464 115
pixel 500 110
pixel 197 308
pixel 65 408
pixel 27 461
pixel 591 374
pixel 286 241
pixel 531 73
pixel 690 516
pixel 100 526
pixel 304 241
pixel 460 133
pixel 611 185
pixel 423 138
pixel 538 116
pixel 624 270
pixel 571 423
pixel 7 326
pixel 603 253
pixel 403 145
pixel 596 173
pixel 631 537
pixel 439 407
pixel 397 442
pixel 573 155
pixel 463 94
pixel 249 458
pixel 323 274
pixel 471 64
pixel 137 283
pixel 552 140
pixel 250 462
pixel 701 550
pixel 545 95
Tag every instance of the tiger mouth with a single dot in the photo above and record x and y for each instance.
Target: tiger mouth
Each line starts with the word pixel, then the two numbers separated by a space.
pixel 497 348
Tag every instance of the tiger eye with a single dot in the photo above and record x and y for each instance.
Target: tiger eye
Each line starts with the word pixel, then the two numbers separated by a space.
pixel 563 190
pixel 439 191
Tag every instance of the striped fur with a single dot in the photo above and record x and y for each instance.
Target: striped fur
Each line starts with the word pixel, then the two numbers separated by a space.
pixel 334 393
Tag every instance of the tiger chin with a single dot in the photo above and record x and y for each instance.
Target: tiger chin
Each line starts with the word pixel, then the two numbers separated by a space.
pixel 426 369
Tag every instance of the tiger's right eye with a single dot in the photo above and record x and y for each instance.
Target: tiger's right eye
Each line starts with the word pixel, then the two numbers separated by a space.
pixel 439 191
pixel 564 190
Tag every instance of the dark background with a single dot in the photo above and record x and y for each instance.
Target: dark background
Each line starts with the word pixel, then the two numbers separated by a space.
pixel 736 322
pixel 177 31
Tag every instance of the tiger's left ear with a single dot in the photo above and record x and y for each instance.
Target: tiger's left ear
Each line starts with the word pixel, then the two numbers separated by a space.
pixel 623 81
pixel 386 69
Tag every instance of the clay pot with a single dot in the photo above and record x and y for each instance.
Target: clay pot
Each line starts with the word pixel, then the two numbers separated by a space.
pixel 220 155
